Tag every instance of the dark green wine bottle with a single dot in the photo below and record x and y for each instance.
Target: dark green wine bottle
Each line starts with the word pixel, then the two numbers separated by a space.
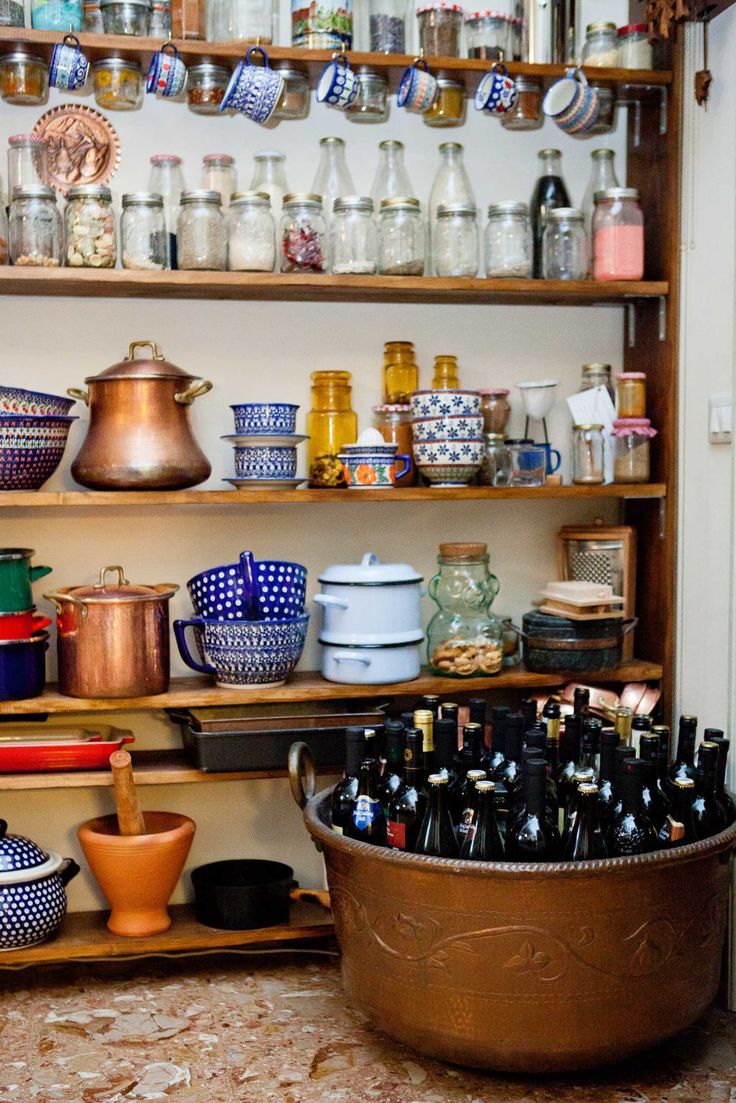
pixel 482 842
pixel 436 835
pixel 585 842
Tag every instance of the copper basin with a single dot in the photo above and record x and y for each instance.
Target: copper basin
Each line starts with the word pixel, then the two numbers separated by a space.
pixel 527 968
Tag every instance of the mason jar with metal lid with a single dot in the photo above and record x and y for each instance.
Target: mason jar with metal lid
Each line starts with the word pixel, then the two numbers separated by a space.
pixel 402 237
pixel 35 228
pixel 564 245
pixel 618 235
pixel 24 78
pixel 303 233
pixel 448 108
pixel 596 375
pixel 587 454
pixel 206 84
pixel 371 103
pixel 131 17
pixel 456 240
pixel 89 227
pixel 601 45
pixel 201 234
pixel 294 99
pixel 526 114
pixel 144 240
pixel 508 241
pixel 353 236
pixel 251 233
pixel 118 83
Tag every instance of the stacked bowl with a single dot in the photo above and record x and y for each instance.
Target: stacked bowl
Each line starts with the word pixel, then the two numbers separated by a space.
pixel 23 641
pixel 448 436
pixel 264 443
pixel 249 624
pixel 33 432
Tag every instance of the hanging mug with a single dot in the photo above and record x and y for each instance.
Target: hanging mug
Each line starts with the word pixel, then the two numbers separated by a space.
pixel 496 93
pixel 254 90
pixel 167 73
pixel 572 103
pixel 69 66
pixel 417 88
pixel 338 84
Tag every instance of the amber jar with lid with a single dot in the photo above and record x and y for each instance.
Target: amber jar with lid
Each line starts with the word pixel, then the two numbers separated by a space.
pixel 331 424
pixel 393 421
pixel 445 376
pixel 631 394
pixel 494 405
pixel 400 371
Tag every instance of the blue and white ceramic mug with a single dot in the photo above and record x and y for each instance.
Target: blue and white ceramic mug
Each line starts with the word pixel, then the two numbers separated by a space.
pixel 167 73
pixel 338 84
pixel 496 93
pixel 572 103
pixel 69 66
pixel 254 90
pixel 417 88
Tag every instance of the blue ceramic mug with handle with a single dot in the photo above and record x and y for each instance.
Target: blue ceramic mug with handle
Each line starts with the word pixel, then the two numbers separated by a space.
pixel 338 84
pixel 69 66
pixel 167 73
pixel 553 460
pixel 254 90
pixel 497 92
pixel 572 103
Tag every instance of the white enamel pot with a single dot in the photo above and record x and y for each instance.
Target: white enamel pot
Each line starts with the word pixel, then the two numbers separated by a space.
pixel 372 666
pixel 370 603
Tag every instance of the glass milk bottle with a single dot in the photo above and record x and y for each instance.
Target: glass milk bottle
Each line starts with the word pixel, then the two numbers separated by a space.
pixel 451 185
pixel 602 177
pixel 392 179
pixel 269 176
pixel 333 177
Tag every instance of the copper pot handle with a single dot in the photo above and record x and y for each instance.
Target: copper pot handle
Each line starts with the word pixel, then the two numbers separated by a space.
pixel 122 580
pixel 157 355
pixel 194 390
pixel 77 392
pixel 59 599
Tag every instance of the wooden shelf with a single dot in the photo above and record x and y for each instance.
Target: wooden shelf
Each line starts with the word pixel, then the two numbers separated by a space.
pixel 84 936
pixel 53 499
pixel 201 691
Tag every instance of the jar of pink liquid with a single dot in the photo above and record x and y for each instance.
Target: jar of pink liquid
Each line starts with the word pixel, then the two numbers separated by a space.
pixel 618 235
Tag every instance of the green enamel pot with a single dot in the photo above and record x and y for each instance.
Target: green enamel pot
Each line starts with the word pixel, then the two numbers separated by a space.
pixel 16 578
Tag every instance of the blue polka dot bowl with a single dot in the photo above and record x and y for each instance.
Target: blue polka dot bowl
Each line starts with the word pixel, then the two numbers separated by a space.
pixel 220 592
pixel 242 653
pixel 32 891
pixel 31 447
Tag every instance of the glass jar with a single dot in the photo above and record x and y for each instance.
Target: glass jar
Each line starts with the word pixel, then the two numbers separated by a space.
pixel 393 422
pixel 331 424
pixel 463 637
pixel 488 35
pixel 131 17
pixel 251 233
pixel 387 26
pixel 618 235
pixel 634 47
pixel 89 227
pixel 303 236
pixel 631 437
pixel 167 180
pixel 160 19
pixel 117 83
pixel 324 26
pixel 24 79
pixel 13 15
pixel 391 179
pixel 631 394
pixel 27 162
pixel 601 45
pixel 448 108
pixel 35 228
pixel 495 470
pixel 201 234
pixel 402 238
pixel 206 84
pixel 526 114
pixel 596 375
pixel 439 29
pixel 353 237
pixel 56 15
pixel 269 175
pixel 456 241
pixel 400 372
pixel 508 241
pixel 251 21
pixel 219 174
pixel 445 374
pixel 564 245
pixel 92 17
pixel 587 454
pixel 217 20
pixel 333 177
pixel 371 103
pixel 143 235
pixel 606 109
pixel 495 408
pixel 294 99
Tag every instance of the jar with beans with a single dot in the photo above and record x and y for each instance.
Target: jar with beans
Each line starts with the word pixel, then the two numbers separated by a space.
pixel 118 84
pixel 206 84
pixel 508 241
pixel 35 228
pixel 24 79
pixel 402 238
pixel 456 240
pixel 631 437
pixel 353 236
pixel 143 235
pixel 439 29
pixel 387 26
pixel 303 233
pixel 89 227
pixel 251 233
pixel 201 234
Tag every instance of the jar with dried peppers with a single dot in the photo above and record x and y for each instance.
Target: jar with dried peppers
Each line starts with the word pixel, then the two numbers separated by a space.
pixel 303 234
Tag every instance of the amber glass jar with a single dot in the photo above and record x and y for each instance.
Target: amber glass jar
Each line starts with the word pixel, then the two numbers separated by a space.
pixel 393 422
pixel 400 372
pixel 445 376
pixel 631 394
pixel 331 424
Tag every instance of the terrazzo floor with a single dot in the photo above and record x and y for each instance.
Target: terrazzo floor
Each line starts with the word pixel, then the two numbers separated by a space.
pixel 276 1029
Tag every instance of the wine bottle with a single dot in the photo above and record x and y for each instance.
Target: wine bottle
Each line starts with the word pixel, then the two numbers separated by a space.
pixel 483 842
pixel 551 718
pixel 391 775
pixel 451 711
pixel 477 711
pixel 623 723
pixel 639 725
pixel 590 747
pixel 606 800
pixel 528 710
pixel 497 755
pixel 663 760
pixel 581 701
pixel 471 751
pixel 536 737
pixel 549 192
pixel 343 796
pixel 632 831
pixel 580 777
pixel 570 753
pixel 463 809
pixel 715 735
pixel 409 803
pixel 424 720
pixel 684 764
pixel 436 835
pixel 430 702
pixel 445 748
pixel 585 842
pixel 656 805
pixel 623 752
pixel 517 797
pixel 679 826
pixel 708 814
pixel 533 838
pixel 368 823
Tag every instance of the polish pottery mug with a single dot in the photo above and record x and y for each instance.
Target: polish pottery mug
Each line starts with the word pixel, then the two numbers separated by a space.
pixel 572 103
pixel 69 66
pixel 373 468
pixel 338 84
pixel 417 88
pixel 496 93
pixel 167 73
pixel 254 90
pixel 16 576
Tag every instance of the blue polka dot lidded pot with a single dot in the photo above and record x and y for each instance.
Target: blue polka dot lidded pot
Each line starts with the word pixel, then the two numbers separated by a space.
pixel 32 896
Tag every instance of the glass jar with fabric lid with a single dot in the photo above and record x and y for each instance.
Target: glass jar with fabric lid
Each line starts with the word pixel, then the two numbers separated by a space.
pixel 400 372
pixel 206 85
pixel 331 424
pixel 588 454
pixel 303 234
pixel 89 227
pixel 456 240
pixel 488 35
pixel 251 245
pixel 526 114
pixel 448 108
pixel 631 437
pixel 294 99
pixel 27 161
pixel 508 241
pixel 463 637
pixel 219 174
pixel 402 237
pixel 371 103
pixel 35 228
pixel 394 423
pixel 143 234
pixel 601 45
pixel 440 24
pixel 564 245
pixel 353 236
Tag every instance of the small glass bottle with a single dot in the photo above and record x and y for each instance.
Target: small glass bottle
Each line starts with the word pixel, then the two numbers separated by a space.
pixel 402 238
pixel 631 394
pixel 436 836
pixel 167 180
pixel 394 423
pixel 508 241
pixel 27 162
pixel 331 424
pixel 440 26
pixel 679 827
pixel 618 235
pixel 400 372
pixel 451 183
pixel 564 245
pixel 456 240
pixel 35 228
pixel 533 837
pixel 371 103
pixel 144 241
pixel 445 375
pixel 343 796
pixel 602 176
pixel 201 234
pixel 408 805
pixel 549 192
pixel 584 842
pixel 251 242
pixel 391 180
pixel 353 237
pixel 219 174
pixel 601 45
pixel 588 454
pixel 303 234
pixel 269 176
pixel 89 227
pixel 631 437
pixel 333 177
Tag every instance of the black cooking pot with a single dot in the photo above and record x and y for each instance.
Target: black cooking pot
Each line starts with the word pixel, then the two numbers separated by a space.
pixel 242 893
pixel 556 645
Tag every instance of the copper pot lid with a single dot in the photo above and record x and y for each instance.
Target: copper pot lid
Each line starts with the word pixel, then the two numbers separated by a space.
pixel 155 367
pixel 119 591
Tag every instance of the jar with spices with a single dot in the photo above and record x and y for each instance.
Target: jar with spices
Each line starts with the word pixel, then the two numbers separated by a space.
pixel 456 240
pixel 117 83
pixel 464 637
pixel 631 394
pixel 495 408
pixel 564 245
pixel 402 238
pixel 631 437
pixel 618 235
pixel 24 79
pixel 89 227
pixel 508 241
pixel 445 374
pixel 587 454
pixel 495 470
pixel 488 35
pixel 353 236
pixel 634 47
pixel 206 84
pixel 440 24
pixel 251 233
pixel 219 174
pixel 303 234
pixel 596 375
pixel 331 424
pixel 601 45
pixel 448 108
pixel 393 422
pixel 201 235
pixel 294 99
pixel 166 179
pixel 371 103
pixel 324 26
pixel 92 17
pixel 13 15
pixel 56 15
pixel 387 26
pixel 400 372
pixel 131 17
pixel 143 235
pixel 526 114
pixel 27 161
pixel 35 228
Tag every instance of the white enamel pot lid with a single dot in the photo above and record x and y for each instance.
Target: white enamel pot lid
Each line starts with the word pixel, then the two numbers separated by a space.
pixel 370 572
pixel 372 639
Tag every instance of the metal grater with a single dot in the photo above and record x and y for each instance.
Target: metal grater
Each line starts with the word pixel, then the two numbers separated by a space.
pixel 607 558
pixel 601 564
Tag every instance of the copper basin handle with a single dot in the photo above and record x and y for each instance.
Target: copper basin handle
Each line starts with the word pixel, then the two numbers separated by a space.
pixel 77 392
pixel 194 390
pixel 313 896
pixel 59 599
pixel 302 773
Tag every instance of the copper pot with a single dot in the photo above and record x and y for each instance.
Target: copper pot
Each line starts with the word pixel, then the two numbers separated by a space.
pixel 113 639
pixel 139 436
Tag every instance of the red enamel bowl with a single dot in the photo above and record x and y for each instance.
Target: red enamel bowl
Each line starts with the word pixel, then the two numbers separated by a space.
pixel 21 626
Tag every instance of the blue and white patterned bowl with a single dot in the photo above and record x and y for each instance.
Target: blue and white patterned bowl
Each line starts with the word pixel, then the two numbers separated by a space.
pixel 16 400
pixel 454 427
pixel 218 593
pixel 448 474
pixel 265 462
pixel 244 652
pixel 444 403
pixel 448 451
pixel 265 418
pixel 31 447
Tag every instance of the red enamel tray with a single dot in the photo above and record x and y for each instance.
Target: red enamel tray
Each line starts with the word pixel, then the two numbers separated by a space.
pixel 34 748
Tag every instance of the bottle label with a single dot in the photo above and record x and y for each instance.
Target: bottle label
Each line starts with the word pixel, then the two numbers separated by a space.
pixel 396 835
pixel 466 825
pixel 673 830
pixel 365 812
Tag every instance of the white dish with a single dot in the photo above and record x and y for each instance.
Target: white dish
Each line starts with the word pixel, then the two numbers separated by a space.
pixel 285 441
pixel 581 602
pixel 265 484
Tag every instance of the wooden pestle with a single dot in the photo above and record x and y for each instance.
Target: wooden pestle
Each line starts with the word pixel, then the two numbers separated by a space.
pixel 130 817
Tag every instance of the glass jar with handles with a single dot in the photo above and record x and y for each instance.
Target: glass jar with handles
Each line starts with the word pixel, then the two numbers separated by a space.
pixel 400 373
pixel 402 238
pixel 508 241
pixel 143 236
pixel 331 424
pixel 456 240
pixel 588 454
pixel 35 228
pixel 251 233
pixel 89 227
pixel 353 236
pixel 463 637
pixel 564 245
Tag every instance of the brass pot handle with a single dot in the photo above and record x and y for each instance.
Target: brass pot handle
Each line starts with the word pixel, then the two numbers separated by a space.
pixel 77 392
pixel 194 390
pixel 144 345
pixel 59 599
pixel 122 580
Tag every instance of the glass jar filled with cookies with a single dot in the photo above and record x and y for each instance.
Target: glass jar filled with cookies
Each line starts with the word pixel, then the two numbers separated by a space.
pixel 464 637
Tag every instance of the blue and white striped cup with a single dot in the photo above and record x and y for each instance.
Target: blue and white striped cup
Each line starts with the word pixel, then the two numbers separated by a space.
pixel 572 103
